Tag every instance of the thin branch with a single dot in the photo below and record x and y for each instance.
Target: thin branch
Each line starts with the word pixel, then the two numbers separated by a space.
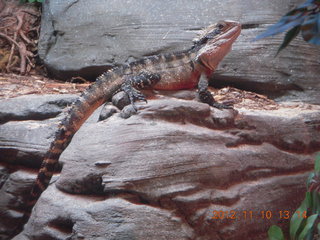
pixel 9 39
pixel 35 14
pixel 13 20
pixel 10 24
pixel 25 38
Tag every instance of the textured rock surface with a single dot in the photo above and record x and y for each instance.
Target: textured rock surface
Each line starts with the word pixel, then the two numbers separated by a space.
pixel 163 173
pixel 97 217
pixel 116 31
pixel 33 107
pixel 24 137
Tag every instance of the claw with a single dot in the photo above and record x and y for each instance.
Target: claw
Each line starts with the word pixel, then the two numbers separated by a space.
pixel 221 105
pixel 139 96
pixel 133 94
pixel 206 97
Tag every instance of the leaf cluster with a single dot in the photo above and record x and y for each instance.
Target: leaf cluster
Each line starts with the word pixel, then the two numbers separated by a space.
pixel 305 19
pixel 306 227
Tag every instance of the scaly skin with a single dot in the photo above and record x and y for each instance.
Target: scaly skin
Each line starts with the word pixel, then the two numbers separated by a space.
pixel 164 72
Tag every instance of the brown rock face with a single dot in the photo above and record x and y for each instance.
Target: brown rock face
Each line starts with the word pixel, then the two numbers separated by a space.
pixel 178 169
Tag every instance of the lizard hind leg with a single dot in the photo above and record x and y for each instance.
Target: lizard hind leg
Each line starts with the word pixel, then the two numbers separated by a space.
pixel 140 81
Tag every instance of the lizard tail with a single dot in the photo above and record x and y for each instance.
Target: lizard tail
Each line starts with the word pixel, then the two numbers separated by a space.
pixel 93 97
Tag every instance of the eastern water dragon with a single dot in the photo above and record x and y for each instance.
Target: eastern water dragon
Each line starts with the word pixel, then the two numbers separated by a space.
pixel 174 71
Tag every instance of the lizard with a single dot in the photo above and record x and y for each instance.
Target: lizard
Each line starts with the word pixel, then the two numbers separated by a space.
pixel 171 71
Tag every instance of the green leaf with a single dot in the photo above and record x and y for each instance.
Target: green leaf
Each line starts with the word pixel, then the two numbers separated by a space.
pixel 275 233
pixel 297 221
pixel 308 201
pixel 290 35
pixel 315 202
pixel 310 179
pixel 285 23
pixel 308 4
pixel 308 227
pixel 310 29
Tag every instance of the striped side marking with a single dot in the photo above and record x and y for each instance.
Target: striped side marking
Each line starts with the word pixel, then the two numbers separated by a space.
pixel 149 65
pixel 38 188
pixel 47 170
pixel 170 60
pixel 89 100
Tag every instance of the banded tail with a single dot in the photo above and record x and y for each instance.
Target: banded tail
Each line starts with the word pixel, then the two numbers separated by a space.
pixel 93 97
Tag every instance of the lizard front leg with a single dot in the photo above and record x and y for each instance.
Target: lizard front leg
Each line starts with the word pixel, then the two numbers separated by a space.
pixel 140 81
pixel 205 96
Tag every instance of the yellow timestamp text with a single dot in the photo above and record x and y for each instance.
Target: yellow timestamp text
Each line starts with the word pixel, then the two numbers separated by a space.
pixel 252 215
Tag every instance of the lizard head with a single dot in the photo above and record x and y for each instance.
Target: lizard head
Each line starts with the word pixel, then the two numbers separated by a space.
pixel 215 42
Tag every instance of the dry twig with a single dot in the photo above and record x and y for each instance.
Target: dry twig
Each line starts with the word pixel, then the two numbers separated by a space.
pixel 16 28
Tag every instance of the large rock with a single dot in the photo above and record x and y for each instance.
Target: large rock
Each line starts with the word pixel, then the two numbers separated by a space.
pixel 24 137
pixel 166 172
pixel 33 107
pixel 96 217
pixel 87 37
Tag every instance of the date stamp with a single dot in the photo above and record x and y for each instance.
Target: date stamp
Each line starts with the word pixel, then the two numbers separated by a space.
pixel 253 215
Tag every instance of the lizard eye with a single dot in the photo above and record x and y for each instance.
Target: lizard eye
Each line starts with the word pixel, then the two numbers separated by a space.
pixel 220 26
pixel 211 35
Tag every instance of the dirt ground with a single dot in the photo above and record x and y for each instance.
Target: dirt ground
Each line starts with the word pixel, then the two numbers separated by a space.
pixel 13 85
pixel 21 71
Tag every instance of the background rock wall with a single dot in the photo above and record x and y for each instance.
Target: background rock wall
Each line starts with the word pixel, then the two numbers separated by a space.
pixel 86 37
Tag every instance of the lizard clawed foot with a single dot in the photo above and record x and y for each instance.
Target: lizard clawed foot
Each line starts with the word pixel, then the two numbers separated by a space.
pixel 133 94
pixel 206 97
pixel 222 105
pixel 141 80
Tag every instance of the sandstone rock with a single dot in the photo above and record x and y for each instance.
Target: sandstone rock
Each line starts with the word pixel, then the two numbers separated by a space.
pixel 107 111
pixel 175 165
pixel 120 100
pixel 25 142
pixel 96 217
pixel 13 195
pixel 81 38
pixel 33 107
pixel 24 138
